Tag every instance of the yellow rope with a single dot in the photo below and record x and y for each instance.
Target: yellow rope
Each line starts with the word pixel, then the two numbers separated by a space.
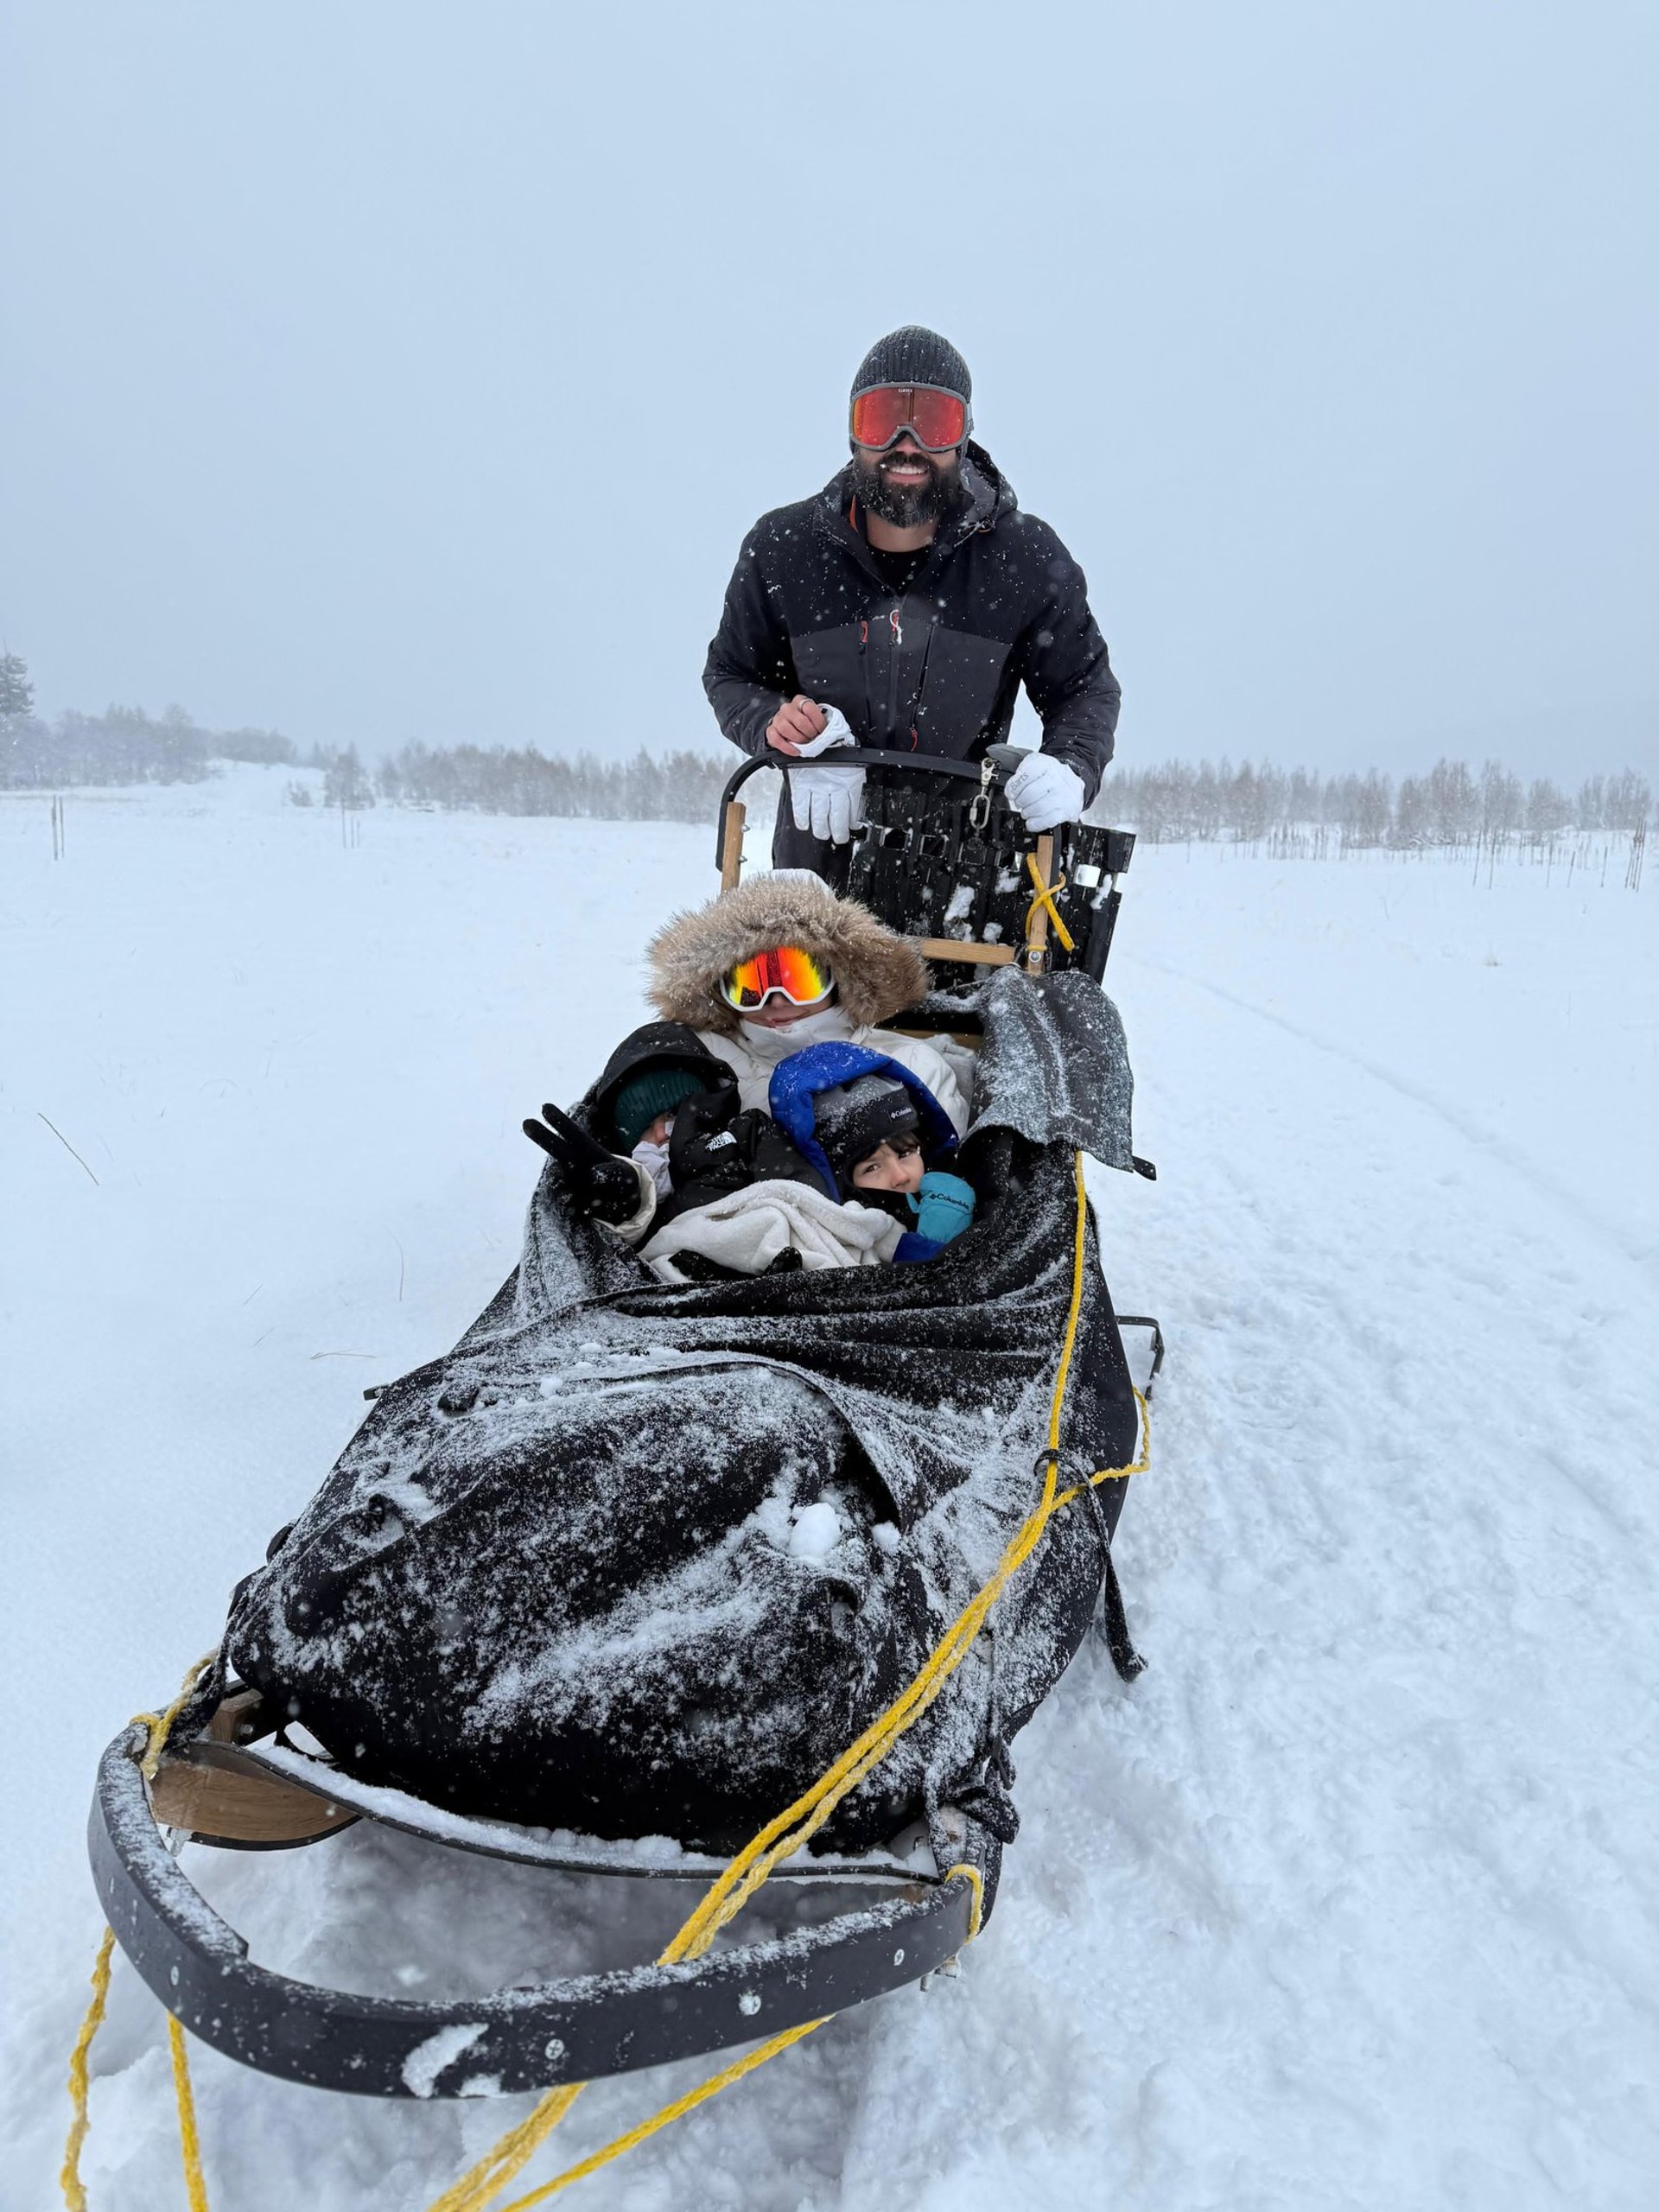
pixel 677 2110
pixel 74 2196
pixel 69 2178
pixel 976 1881
pixel 195 2187
pixel 789 1832
pixel 1046 896
pixel 160 1724
pixel 1138 1465
pixel 498 2166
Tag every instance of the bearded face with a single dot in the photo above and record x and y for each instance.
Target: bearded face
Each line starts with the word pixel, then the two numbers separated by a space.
pixel 905 485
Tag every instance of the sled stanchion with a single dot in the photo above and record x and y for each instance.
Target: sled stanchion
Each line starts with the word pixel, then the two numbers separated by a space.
pixel 1041 864
pixel 1147 1321
pixel 732 818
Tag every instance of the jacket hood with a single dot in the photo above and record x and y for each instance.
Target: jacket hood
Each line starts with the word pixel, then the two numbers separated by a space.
pixel 990 497
pixel 655 1045
pixel 796 1081
pixel 877 972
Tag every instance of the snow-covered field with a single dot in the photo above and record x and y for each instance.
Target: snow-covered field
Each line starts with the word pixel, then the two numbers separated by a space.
pixel 1351 1901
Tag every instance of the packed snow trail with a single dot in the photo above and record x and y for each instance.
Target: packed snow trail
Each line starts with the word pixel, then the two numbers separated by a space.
pixel 1350 1901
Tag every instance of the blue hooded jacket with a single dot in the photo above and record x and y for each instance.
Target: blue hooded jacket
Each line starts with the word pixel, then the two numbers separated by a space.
pixel 796 1081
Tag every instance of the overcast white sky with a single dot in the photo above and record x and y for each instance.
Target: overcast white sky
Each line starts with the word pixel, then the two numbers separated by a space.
pixel 384 370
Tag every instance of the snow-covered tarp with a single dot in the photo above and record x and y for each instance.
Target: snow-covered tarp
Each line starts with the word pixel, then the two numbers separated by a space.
pixel 642 1559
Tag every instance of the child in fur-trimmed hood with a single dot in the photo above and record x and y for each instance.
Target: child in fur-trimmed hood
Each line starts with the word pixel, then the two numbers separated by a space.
pixel 873 974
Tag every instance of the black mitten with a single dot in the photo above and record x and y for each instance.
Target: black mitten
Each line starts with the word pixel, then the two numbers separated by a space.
pixel 600 1184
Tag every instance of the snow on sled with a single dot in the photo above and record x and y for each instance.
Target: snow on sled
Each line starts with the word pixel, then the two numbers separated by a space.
pixel 632 1568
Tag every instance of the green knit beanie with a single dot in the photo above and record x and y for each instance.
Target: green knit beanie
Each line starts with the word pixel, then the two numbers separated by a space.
pixel 658 1090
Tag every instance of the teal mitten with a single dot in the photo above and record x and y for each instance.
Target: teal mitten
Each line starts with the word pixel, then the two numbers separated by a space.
pixel 945 1207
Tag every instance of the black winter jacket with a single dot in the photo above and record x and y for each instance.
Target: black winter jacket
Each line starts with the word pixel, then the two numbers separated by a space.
pixel 998 601
pixel 716 1149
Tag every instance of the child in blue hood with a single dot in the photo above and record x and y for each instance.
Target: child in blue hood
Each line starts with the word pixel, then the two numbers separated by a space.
pixel 874 1133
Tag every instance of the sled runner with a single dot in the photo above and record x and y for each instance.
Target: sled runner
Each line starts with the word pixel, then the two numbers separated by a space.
pixel 728 1581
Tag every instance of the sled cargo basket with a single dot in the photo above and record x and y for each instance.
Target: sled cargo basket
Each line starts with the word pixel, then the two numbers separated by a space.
pixel 947 861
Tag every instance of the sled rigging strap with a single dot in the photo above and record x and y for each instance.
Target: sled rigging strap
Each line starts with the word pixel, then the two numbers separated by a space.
pixel 789 1833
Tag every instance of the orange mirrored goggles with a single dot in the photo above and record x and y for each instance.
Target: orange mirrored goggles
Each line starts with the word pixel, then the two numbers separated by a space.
pixel 937 420
pixel 787 970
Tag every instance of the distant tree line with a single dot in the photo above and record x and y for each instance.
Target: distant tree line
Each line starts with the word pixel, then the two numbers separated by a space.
pixel 124 745
pixel 1175 801
pixel 1181 802
pixel 678 787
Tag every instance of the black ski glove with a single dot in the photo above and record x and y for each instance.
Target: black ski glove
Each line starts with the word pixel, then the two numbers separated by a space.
pixel 600 1183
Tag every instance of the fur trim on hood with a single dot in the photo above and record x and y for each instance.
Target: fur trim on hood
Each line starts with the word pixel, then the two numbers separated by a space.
pixel 877 973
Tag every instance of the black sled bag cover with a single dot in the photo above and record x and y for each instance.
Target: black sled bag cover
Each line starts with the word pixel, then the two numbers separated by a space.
pixel 640 1559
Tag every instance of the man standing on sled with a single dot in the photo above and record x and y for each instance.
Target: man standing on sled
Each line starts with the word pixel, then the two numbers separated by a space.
pixel 902 609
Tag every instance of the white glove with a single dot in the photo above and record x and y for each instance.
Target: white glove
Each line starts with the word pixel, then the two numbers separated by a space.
pixel 835 731
pixel 829 801
pixel 1046 791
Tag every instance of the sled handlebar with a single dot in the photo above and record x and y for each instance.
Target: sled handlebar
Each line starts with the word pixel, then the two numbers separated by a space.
pixel 931 764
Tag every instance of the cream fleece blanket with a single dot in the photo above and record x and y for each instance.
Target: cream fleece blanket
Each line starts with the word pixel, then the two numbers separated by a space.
pixel 749 1229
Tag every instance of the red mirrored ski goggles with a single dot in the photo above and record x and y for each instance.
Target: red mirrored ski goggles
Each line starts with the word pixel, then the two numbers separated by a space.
pixel 785 968
pixel 937 420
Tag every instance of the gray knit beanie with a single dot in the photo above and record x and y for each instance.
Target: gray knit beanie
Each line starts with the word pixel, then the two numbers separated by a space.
pixel 915 355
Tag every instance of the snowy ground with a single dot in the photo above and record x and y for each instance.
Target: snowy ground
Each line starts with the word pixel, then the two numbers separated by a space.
pixel 1350 1901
